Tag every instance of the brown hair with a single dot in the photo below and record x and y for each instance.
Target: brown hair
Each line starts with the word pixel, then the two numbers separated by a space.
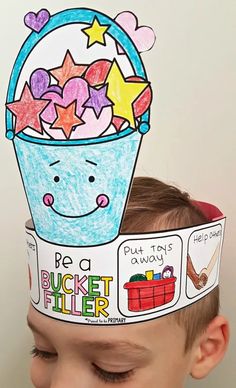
pixel 152 206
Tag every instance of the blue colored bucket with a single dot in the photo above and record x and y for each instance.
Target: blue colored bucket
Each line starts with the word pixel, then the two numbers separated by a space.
pixel 77 190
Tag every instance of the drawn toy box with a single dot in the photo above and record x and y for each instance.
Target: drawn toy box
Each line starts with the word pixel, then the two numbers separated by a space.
pixel 146 295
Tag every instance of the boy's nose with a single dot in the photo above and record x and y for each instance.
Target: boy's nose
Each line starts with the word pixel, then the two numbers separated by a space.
pixel 71 376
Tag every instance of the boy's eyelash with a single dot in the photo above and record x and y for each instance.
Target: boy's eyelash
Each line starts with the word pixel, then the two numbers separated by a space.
pixel 105 376
pixel 35 352
pixel 111 377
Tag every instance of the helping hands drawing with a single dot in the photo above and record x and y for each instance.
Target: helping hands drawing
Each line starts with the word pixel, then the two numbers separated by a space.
pixel 200 280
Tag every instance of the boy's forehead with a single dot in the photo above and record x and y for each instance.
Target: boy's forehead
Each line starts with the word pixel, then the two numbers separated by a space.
pixel 135 337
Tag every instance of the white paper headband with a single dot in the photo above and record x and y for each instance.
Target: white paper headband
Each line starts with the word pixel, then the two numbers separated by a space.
pixel 135 278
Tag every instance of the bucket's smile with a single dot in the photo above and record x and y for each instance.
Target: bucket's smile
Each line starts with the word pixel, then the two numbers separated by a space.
pixel 102 202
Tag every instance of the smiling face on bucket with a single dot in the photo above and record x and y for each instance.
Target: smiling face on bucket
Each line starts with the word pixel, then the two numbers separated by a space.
pixel 102 200
pixel 149 354
pixel 82 189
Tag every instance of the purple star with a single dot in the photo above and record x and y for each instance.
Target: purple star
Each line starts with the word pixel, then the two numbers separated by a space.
pixel 98 100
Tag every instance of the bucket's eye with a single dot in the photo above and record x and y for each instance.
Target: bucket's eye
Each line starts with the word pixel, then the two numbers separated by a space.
pixel 56 179
pixel 91 179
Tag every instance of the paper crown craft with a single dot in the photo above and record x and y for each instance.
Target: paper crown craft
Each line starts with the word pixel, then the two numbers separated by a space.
pixel 78 106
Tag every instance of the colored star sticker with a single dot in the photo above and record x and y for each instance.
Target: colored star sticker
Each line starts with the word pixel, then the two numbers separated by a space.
pixel 123 93
pixel 96 33
pixel 66 118
pixel 68 70
pixel 27 111
pixel 98 100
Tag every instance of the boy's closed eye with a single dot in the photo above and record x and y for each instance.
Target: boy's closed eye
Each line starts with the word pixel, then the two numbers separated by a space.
pixel 109 361
pixel 103 374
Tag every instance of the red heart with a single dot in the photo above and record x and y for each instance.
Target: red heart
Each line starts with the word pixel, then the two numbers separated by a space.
pixel 97 72
pixel 143 102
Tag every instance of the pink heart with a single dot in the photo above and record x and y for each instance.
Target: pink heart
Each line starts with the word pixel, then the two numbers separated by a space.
pixel 93 126
pixel 76 89
pixel 37 21
pixel 143 36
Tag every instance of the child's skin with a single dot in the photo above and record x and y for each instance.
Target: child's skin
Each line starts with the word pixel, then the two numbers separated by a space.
pixel 153 352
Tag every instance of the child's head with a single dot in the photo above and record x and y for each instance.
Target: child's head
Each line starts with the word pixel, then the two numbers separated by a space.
pixel 154 205
pixel 159 353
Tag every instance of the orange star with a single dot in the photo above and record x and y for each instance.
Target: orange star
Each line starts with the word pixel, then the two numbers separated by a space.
pixel 67 70
pixel 66 118
pixel 27 111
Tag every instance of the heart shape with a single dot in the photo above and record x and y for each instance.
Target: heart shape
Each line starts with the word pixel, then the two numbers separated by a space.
pixel 76 89
pixel 143 102
pixel 92 127
pixel 118 122
pixel 143 37
pixel 40 83
pixel 97 72
pixel 37 21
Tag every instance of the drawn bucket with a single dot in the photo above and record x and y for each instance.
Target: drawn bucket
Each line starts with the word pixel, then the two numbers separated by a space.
pixel 146 295
pixel 76 189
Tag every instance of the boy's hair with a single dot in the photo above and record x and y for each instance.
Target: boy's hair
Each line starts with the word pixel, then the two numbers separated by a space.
pixel 153 206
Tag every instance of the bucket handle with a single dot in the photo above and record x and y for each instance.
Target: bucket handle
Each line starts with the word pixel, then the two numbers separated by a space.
pixel 71 16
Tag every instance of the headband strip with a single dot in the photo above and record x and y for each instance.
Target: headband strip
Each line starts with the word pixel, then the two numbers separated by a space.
pixel 135 278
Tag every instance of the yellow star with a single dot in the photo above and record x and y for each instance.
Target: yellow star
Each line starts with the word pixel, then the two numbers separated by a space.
pixel 96 33
pixel 123 93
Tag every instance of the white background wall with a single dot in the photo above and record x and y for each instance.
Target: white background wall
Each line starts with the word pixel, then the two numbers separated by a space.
pixel 192 143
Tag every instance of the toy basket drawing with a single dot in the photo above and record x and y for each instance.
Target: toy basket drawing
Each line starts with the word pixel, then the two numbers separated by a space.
pixel 146 295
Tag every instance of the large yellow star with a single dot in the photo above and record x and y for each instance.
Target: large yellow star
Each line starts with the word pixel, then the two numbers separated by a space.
pixel 96 33
pixel 123 93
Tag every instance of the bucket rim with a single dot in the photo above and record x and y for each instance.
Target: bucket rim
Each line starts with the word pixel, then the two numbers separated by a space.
pixel 83 142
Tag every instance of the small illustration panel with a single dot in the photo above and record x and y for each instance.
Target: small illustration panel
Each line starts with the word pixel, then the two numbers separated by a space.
pixel 33 268
pixel 149 274
pixel 203 256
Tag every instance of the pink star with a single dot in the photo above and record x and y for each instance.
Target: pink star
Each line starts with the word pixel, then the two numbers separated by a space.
pixel 27 111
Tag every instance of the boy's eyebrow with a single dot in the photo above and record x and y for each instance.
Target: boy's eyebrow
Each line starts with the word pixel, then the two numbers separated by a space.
pixel 32 327
pixel 89 161
pixel 52 164
pixel 124 348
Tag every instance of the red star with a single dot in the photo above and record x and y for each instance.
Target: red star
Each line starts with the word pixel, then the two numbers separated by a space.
pixel 27 111
pixel 67 70
pixel 66 118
